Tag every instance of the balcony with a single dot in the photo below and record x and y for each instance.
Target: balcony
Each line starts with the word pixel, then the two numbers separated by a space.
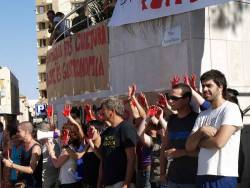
pixel 42 68
pixel 43 2
pixel 42 85
pixel 42 51
pixel 43 34
pixel 41 17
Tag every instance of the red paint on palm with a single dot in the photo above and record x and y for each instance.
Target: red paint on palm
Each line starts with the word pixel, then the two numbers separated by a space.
pixel 152 111
pixel 162 101
pixel 65 137
pixel 175 80
pixel 192 81
pixel 50 111
pixel 142 99
pixel 186 80
pixel 156 4
pixel 66 110
pixel 89 115
pixel 91 132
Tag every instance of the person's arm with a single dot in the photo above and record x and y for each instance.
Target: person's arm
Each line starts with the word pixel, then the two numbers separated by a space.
pixel 35 156
pixel 163 160
pixel 162 121
pixel 193 141
pixel 72 120
pixel 145 139
pixel 77 155
pixel 131 155
pixel 57 161
pixel 220 139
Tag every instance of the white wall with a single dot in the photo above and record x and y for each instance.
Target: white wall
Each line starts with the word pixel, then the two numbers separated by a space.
pixel 216 37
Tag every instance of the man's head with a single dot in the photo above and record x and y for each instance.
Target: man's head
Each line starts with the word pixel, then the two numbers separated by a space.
pixel 214 85
pixel 25 130
pixel 180 96
pixel 50 15
pixel 112 107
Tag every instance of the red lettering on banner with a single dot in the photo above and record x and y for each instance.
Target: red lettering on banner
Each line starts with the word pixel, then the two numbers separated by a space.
pixel 155 4
pixel 88 40
pixel 143 3
pixel 104 35
pixel 85 66
pixel 101 67
pixel 67 47
pixel 58 72
pixel 178 2
pixel 51 78
pixel 78 42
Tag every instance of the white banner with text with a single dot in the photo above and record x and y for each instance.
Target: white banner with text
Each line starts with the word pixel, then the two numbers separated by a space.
pixel 132 11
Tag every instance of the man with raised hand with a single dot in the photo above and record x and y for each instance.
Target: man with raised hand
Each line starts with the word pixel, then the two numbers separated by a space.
pixel 217 135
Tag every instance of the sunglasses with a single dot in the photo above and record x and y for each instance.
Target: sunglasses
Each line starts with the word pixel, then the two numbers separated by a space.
pixel 175 98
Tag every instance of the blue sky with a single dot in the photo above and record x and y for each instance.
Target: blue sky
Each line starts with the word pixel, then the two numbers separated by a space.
pixel 18 49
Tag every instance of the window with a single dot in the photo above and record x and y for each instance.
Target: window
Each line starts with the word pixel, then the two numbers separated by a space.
pixel 42 60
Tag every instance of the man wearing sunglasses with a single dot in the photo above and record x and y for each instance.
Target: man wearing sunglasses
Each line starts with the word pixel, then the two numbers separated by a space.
pixel 183 166
pixel 217 135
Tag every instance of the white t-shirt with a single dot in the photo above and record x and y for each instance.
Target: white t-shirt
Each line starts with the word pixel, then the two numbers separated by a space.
pixel 222 162
pixel 67 170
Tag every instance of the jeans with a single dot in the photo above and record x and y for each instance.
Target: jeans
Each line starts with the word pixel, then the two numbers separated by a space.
pixel 142 179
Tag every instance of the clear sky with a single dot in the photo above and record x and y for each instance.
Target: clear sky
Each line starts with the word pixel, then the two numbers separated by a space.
pixel 18 49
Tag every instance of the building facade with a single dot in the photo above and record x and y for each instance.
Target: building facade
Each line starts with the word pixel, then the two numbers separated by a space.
pixel 42 25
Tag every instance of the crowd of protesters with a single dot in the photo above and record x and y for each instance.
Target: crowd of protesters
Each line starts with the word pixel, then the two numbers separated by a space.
pixel 170 143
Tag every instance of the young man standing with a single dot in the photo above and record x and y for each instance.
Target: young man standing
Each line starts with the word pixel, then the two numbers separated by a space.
pixel 117 147
pixel 182 169
pixel 217 135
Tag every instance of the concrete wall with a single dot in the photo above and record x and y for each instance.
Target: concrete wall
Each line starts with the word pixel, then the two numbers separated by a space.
pixel 215 37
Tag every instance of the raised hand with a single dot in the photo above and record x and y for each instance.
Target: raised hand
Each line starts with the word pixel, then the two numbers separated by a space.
pixel 192 81
pixel 50 111
pixel 131 91
pixel 154 111
pixel 186 79
pixel 175 80
pixel 91 131
pixel 89 113
pixel 66 110
pixel 65 137
pixel 162 101
pixel 143 100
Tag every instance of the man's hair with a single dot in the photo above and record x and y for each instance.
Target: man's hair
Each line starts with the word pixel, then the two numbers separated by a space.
pixel 26 126
pixel 51 12
pixel 186 90
pixel 232 95
pixel 218 78
pixel 115 104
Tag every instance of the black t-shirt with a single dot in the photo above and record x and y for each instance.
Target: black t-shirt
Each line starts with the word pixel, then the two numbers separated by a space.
pixel 182 170
pixel 114 142
pixel 90 168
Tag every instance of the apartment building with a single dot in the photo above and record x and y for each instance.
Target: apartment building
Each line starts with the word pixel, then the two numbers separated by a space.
pixel 42 25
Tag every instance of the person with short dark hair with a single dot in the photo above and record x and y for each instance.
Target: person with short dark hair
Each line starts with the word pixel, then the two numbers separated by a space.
pixel 81 21
pixel 183 164
pixel 216 134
